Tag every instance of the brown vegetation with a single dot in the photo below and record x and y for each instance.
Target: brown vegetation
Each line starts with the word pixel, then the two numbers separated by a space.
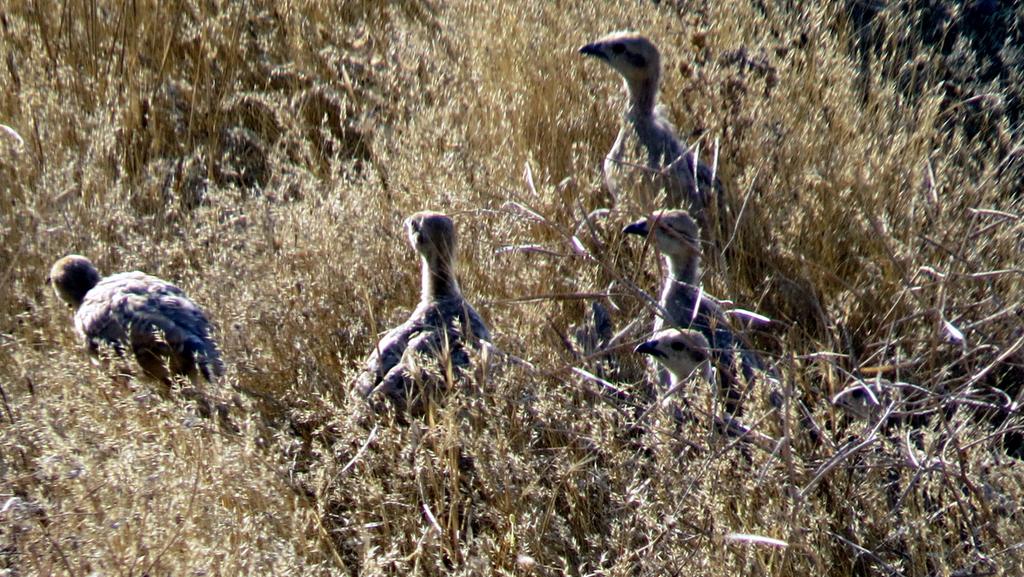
pixel 262 155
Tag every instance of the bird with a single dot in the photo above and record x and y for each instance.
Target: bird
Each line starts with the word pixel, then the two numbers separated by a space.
pixel 166 332
pixel 647 139
pixel 681 351
pixel 440 327
pixel 684 352
pixel 683 304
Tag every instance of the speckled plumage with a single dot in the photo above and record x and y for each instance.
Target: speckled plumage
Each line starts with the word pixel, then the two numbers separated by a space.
pixel 440 327
pixel 647 139
pixel 167 332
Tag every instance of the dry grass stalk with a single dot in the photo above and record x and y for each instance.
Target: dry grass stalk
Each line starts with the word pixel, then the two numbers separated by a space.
pixel 262 156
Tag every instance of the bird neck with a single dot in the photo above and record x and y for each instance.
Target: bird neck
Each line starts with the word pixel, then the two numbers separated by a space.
pixel 438 280
pixel 684 269
pixel 643 96
pixel 674 379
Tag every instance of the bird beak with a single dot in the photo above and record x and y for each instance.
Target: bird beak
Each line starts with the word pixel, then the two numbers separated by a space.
pixel 594 50
pixel 649 348
pixel 639 227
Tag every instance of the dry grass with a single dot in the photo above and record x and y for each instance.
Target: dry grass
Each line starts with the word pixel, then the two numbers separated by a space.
pixel 262 156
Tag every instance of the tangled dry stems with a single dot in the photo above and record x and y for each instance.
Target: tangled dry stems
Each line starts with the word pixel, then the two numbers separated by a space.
pixel 262 157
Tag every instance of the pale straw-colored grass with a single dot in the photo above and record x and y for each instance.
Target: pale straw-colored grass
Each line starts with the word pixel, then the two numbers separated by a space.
pixel 262 156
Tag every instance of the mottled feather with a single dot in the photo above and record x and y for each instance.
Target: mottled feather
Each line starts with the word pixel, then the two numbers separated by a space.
pixel 440 327
pixel 166 331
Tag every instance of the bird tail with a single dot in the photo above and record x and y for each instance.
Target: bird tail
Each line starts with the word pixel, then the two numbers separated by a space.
pixel 207 360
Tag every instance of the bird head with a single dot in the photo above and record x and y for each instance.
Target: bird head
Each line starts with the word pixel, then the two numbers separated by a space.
pixel 72 277
pixel 680 351
pixel 675 233
pixel 432 234
pixel 633 56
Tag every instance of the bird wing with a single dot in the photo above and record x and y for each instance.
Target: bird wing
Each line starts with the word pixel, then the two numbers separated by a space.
pixel 97 325
pixel 101 318
pixel 725 339
pixel 430 329
pixel 477 328
pixel 387 354
pixel 660 140
pixel 149 314
pixel 397 380
pixel 690 307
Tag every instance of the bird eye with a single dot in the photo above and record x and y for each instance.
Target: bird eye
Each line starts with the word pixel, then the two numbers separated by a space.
pixel 637 60
pixel 677 346
pixel 618 48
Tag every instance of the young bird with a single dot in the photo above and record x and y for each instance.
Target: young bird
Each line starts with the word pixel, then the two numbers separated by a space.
pixel 683 303
pixel 681 351
pixel 684 351
pixel 440 326
pixel 647 138
pixel 167 332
